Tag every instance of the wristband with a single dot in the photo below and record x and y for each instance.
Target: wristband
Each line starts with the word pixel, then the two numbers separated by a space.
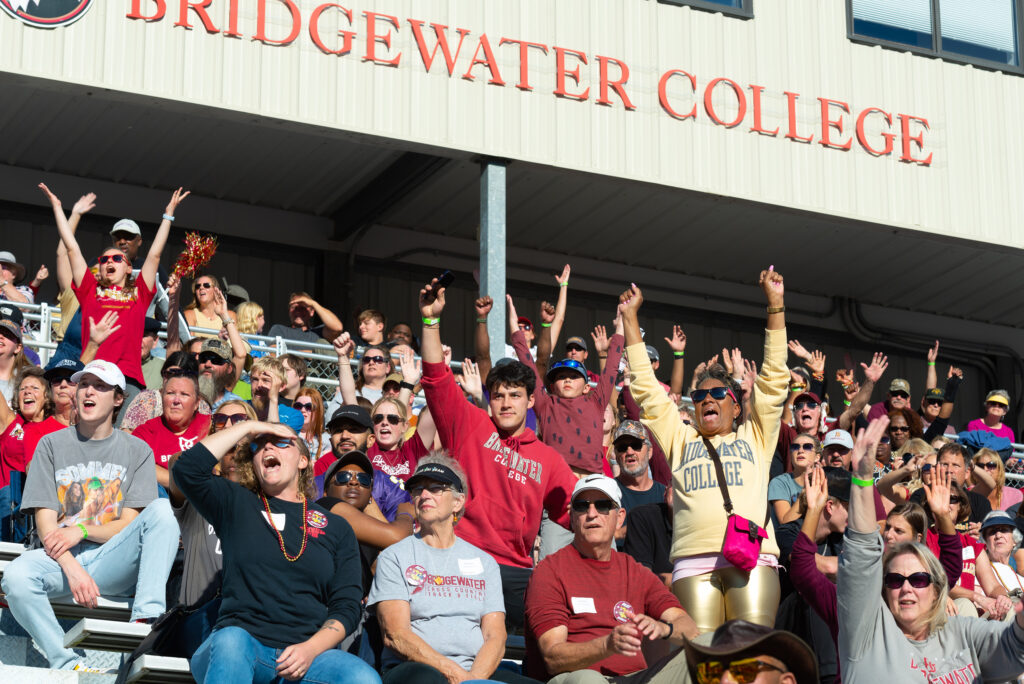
pixel 481 320
pixel 679 355
pixel 671 628
pixel 545 325
pixel 797 389
pixel 776 309
pixel 565 284
pixel 931 363
pixel 407 385
pixel 862 483
pixel 168 217
pixel 85 532
pixel 431 321
pixel 818 376
pixel 846 403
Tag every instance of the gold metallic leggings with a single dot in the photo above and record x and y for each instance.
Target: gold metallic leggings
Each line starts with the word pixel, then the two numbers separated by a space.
pixel 730 594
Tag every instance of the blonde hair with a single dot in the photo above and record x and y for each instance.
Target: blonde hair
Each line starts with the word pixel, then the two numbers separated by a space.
pixel 999 476
pixel 247 476
pixel 269 364
pixel 400 409
pixel 940 583
pixel 247 313
pixel 194 304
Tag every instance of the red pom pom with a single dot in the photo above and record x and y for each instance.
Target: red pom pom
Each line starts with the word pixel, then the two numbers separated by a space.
pixel 199 250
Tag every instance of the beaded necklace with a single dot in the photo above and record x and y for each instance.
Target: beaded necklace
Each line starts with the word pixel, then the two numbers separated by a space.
pixel 280 539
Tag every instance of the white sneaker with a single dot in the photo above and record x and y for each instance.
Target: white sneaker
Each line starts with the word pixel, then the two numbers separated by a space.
pixel 80 666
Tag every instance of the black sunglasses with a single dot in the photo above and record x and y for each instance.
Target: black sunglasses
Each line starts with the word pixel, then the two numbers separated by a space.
pixel 918 580
pixel 624 445
pixel 302 405
pixel 805 404
pixel 215 359
pixel 436 489
pixel 803 446
pixel 203 286
pixel 372 359
pixel 902 395
pixel 222 419
pixel 717 393
pixel 991 465
pixel 899 428
pixel 933 402
pixel 380 418
pixel 742 671
pixel 603 506
pixel 344 477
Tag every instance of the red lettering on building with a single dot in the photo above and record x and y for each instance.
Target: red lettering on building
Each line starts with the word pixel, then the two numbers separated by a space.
pixel 663 93
pixel 233 20
pixel 756 91
pixel 524 59
pixel 561 73
pixel 314 29
pixel 828 124
pixel 618 86
pixel 373 38
pixel 261 23
pixel 440 43
pixel 907 138
pixel 791 99
pixel 741 102
pixel 136 13
pixel 488 60
pixel 862 136
pixel 200 9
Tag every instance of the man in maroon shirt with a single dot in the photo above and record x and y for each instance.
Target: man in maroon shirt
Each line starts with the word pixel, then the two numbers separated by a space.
pixel 590 607
pixel 514 477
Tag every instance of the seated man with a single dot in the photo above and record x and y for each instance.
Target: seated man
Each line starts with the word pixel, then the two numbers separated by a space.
pixel 745 650
pixel 301 310
pixel 590 609
pixel 89 486
pixel 269 376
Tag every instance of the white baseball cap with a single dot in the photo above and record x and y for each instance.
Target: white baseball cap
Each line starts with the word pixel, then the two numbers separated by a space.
pixel 126 226
pixel 104 370
pixel 600 483
pixel 838 438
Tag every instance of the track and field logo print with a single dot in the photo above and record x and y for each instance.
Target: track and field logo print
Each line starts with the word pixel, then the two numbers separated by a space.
pixel 46 13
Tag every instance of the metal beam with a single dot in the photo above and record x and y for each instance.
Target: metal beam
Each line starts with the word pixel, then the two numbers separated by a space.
pixel 492 249
pixel 388 188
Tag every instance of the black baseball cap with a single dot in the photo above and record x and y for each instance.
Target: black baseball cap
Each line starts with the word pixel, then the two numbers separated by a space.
pixel 63 368
pixel 356 457
pixel 437 473
pixel 353 412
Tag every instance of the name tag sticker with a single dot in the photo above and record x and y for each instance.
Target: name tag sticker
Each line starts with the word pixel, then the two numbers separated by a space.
pixel 471 566
pixel 968 552
pixel 581 604
pixel 278 519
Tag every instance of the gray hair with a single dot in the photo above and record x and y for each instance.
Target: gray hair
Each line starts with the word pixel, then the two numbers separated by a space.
pixel 441 457
pixel 940 582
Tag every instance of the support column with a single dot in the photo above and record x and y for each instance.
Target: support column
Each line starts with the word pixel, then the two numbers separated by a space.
pixel 492 250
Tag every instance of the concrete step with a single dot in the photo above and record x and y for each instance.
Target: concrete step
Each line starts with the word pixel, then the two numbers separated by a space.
pixel 13 674
pixel 10 551
pixel 106 635
pixel 152 668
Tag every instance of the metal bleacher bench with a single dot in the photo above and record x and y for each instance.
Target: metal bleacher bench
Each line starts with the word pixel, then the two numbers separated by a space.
pixel 106 628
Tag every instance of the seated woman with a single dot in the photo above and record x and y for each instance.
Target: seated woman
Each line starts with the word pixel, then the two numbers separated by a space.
pixel 893 625
pixel 988 477
pixel 1001 564
pixel 784 489
pixel 148 404
pixel 202 312
pixel 439 598
pixel 289 565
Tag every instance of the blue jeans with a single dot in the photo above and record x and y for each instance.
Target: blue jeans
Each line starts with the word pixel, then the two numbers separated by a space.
pixel 232 655
pixel 135 562
pixel 12 526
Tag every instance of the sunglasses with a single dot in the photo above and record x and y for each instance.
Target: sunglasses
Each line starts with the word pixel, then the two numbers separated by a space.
pixel 302 405
pixel 991 465
pixel 804 446
pixel 918 580
pixel 742 671
pixel 177 372
pixel 392 419
pixel 901 395
pixel 933 402
pixel 603 506
pixel 927 467
pixel 258 444
pixel 57 382
pixel 215 359
pixel 222 419
pixel 717 393
pixel 344 477
pixel 883 440
pixel 436 489
pixel 899 428
pixel 805 404
pixel 116 258
pixel 624 446
pixel 954 500
pixel 523 326
pixel 203 286
pixel 367 360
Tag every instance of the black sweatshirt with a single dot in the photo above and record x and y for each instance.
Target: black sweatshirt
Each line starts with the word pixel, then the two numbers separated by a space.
pixel 278 602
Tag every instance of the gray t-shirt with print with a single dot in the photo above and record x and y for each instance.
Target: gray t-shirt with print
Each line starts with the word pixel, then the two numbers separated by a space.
pixel 90 481
pixel 448 590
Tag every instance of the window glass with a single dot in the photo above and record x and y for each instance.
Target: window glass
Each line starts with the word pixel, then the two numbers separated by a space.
pixel 908 22
pixel 984 29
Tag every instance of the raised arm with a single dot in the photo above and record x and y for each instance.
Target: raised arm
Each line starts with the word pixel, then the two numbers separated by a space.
pixel 872 374
pixel 332 324
pixel 173 320
pixel 523 353
pixel 238 351
pixel 343 346
pixel 481 338
pixel 862 498
pixel 931 377
pixel 431 305
pixel 67 236
pixel 677 343
pixel 563 295
pixel 152 263
pixel 544 347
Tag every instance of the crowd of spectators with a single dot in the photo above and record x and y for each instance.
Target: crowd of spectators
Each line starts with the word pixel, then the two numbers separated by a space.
pixel 761 524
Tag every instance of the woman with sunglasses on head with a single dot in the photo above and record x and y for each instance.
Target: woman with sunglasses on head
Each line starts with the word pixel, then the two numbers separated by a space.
pixel 114 288
pixel 202 311
pixel 148 404
pixel 711 588
pixel 438 598
pixel 374 367
pixel 310 404
pixel 784 489
pixel 893 625
pixel 289 564
pixel 989 474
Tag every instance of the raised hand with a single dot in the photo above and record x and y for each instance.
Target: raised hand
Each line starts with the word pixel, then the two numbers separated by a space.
pixel 631 300
pixel 471 380
pixel 100 331
pixel 343 346
pixel 431 302
pixel 817 362
pixel 850 391
pixel 773 287
pixel 220 303
pixel 798 350
pixel 547 312
pixel 727 360
pixel 564 278
pixel 412 370
pixel 173 283
pixel 54 200
pixel 600 337
pixel 513 315
pixel 933 353
pixel 749 376
pixel 84 204
pixel 483 306
pixel 816 488
pixel 953 370
pixel 937 494
pixel 176 199
pixel 736 359
pixel 844 376
pixel 712 361
pixel 677 342
pixel 863 457
pixel 42 274
pixel 878 365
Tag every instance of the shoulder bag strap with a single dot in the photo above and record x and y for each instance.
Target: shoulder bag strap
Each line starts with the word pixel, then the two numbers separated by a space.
pixel 726 500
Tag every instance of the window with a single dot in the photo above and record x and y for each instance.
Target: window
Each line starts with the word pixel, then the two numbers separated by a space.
pixel 982 32
pixel 738 8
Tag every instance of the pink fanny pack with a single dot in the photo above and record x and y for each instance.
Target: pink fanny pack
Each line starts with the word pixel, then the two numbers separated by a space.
pixel 742 544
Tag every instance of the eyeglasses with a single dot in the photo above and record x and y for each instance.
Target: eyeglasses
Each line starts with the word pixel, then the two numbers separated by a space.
pixel 926 468
pixel 805 404
pixel 625 445
pixel 436 489
pixel 918 580
pixel 302 405
pixel 344 477
pixel 177 372
pixel 603 506
pixel 991 465
pixel 524 326
pixel 803 446
pixel 901 395
pixel 899 428
pixel 116 258
pixel 717 393
pixel 953 500
pixel 995 404
pixel 258 444
pixel 372 359
pixel 742 671
pixel 203 286
pixel 215 359
pixel 222 419
pixel 391 418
